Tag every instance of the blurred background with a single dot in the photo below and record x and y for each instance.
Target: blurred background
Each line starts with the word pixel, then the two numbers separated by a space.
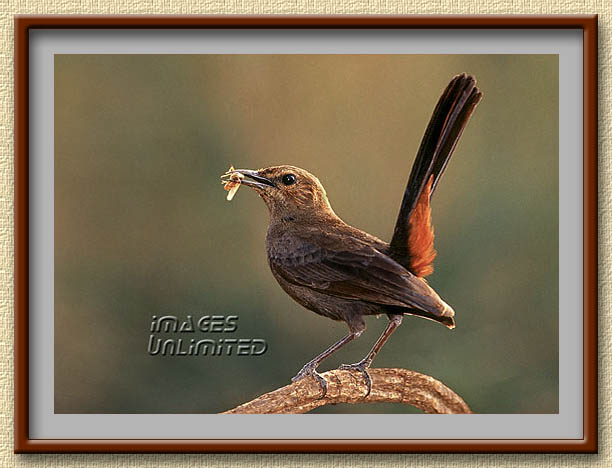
pixel 142 227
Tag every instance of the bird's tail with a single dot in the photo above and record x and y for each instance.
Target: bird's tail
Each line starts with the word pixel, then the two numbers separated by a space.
pixel 412 242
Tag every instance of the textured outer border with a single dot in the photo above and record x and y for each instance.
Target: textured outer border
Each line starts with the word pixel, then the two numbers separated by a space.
pixel 23 25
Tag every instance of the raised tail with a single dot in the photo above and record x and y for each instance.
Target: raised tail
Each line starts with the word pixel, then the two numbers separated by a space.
pixel 412 242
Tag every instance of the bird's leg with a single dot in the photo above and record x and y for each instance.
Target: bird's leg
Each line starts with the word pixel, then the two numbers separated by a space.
pixel 362 366
pixel 310 368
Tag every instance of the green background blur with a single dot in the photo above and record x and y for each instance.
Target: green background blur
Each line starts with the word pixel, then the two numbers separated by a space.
pixel 142 226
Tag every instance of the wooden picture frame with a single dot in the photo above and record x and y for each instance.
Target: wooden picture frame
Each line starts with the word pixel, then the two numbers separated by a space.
pixel 24 25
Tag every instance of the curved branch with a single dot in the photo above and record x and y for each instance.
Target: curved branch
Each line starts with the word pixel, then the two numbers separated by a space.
pixel 343 386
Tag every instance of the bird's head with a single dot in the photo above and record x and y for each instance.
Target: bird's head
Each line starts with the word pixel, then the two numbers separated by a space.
pixel 287 190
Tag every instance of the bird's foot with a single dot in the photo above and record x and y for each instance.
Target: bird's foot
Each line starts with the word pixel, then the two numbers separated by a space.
pixel 311 369
pixel 361 366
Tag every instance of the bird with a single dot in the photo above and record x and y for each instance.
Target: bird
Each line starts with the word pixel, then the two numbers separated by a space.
pixel 342 272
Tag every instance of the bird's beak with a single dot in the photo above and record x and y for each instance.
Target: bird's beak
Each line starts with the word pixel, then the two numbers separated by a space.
pixel 256 181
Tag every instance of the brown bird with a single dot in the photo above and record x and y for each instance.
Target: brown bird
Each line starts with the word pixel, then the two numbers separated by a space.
pixel 343 273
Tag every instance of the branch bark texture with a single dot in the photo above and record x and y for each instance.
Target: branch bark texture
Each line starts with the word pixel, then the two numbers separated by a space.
pixel 343 386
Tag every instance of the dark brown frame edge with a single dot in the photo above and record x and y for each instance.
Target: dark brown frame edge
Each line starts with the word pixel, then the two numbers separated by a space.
pixel 24 24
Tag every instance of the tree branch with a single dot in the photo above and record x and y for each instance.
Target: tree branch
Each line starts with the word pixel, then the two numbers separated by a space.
pixel 343 386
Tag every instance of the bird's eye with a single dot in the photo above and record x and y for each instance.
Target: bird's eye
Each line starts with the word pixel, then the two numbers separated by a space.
pixel 289 179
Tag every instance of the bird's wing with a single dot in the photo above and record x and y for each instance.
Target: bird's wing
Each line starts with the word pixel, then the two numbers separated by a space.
pixel 354 271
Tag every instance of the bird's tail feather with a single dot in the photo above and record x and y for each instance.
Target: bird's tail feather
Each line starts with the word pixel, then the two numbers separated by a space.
pixel 412 242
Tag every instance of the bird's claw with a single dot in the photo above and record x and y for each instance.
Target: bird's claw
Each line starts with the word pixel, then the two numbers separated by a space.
pixel 362 367
pixel 310 369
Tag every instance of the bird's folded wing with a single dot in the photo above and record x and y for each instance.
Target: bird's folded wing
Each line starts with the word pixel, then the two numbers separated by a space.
pixel 361 273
